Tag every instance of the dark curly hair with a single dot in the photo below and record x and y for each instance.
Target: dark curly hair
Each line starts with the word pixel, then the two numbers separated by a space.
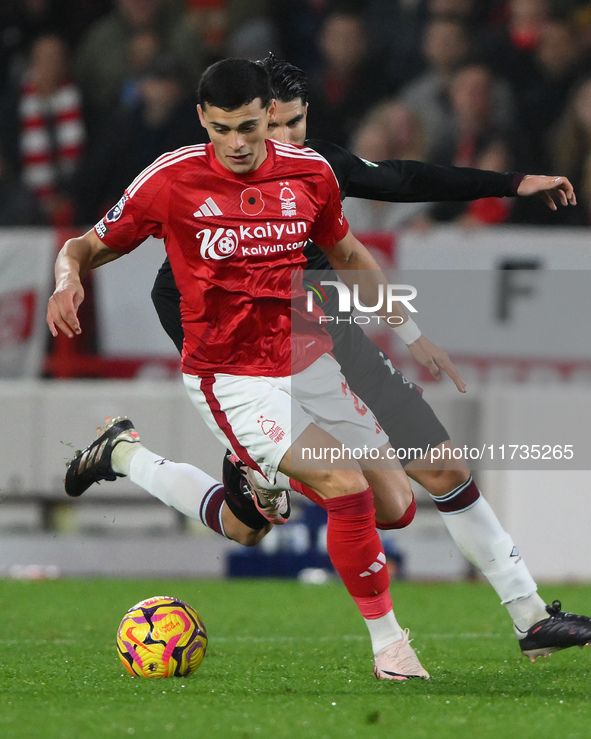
pixel 288 82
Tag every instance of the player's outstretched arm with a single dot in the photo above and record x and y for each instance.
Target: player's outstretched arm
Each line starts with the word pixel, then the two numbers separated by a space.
pixel 552 190
pixel 356 266
pixel 403 180
pixel 74 261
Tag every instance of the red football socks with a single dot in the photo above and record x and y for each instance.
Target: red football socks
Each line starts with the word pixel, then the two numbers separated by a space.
pixel 356 551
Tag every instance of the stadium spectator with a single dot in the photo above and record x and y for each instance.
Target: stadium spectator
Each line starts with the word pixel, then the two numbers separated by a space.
pixel 517 35
pixel 18 206
pixel 347 80
pixel 464 10
pixel 43 128
pixel 298 26
pixel 390 131
pixel 445 45
pixel 572 149
pixel 21 22
pixel 395 30
pixel 101 60
pixel 581 16
pixel 557 64
pixel 209 19
pixel 161 119
pixel 477 140
pixel 252 40
pixel 526 22
pixel 228 26
pixel 143 47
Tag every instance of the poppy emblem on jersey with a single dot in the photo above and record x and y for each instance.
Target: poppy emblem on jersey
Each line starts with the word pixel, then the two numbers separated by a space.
pixel 116 211
pixel 251 201
pixel 219 245
pixel 288 200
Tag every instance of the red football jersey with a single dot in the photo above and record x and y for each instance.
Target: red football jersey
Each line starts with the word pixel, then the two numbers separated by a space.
pixel 234 242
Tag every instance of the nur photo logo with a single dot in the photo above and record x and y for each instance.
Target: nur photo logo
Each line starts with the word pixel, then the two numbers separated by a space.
pixel 349 300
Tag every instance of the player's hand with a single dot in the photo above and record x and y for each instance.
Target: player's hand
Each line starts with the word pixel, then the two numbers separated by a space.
pixel 435 360
pixel 62 310
pixel 550 189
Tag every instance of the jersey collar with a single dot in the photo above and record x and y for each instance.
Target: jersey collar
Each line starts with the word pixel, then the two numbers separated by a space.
pixel 255 174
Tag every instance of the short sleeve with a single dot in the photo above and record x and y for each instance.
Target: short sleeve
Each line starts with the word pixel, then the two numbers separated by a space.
pixel 135 217
pixel 331 225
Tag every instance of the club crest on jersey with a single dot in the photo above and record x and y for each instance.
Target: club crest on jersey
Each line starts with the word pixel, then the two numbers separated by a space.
pixel 219 245
pixel 116 211
pixel 288 200
pixel 251 201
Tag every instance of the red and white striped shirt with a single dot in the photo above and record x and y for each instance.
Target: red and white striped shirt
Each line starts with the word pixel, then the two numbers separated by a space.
pixel 52 137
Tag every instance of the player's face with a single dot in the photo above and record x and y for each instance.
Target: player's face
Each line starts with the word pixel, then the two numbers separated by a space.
pixel 288 125
pixel 238 136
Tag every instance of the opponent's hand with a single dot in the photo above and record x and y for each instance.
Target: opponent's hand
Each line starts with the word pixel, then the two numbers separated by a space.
pixel 550 189
pixel 435 360
pixel 62 310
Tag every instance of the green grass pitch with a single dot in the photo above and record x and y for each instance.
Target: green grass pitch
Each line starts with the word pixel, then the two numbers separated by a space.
pixel 284 660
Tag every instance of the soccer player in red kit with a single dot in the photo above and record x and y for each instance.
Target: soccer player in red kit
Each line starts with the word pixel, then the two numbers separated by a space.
pixel 235 216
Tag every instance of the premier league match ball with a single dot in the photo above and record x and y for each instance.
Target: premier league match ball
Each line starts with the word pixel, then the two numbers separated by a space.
pixel 161 637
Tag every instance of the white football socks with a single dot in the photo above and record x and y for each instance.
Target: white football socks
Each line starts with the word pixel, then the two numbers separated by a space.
pixel 383 631
pixel 483 541
pixel 180 486
pixel 121 456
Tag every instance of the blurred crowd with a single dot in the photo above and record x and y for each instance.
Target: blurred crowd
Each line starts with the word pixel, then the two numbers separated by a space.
pixel 93 90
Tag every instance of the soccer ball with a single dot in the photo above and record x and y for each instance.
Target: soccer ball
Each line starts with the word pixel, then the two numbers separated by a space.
pixel 161 637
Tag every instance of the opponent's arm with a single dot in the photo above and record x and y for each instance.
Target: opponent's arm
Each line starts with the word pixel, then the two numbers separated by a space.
pixel 75 260
pixel 422 182
pixel 355 265
pixel 402 180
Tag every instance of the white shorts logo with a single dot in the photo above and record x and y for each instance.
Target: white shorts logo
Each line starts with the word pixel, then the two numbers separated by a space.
pixel 221 245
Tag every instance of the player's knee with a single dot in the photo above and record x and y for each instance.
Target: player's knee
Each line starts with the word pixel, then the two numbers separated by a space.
pixel 442 482
pixel 334 483
pixel 400 523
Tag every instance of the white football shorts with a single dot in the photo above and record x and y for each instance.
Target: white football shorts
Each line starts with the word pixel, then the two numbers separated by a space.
pixel 260 417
